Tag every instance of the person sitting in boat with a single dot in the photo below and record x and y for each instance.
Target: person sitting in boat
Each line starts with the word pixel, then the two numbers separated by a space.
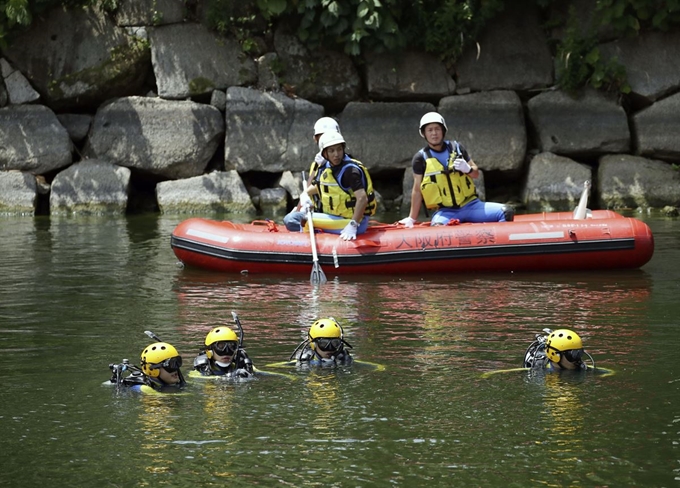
pixel 325 345
pixel 223 356
pixel 558 350
pixel 296 218
pixel 443 175
pixel 343 189
pixel 159 373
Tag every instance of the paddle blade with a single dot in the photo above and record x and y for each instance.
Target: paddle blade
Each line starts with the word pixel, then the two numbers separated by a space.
pixel 318 276
pixel 581 210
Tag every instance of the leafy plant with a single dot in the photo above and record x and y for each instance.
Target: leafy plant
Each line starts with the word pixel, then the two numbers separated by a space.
pixel 579 62
pixel 242 20
pixel 628 17
pixel 445 28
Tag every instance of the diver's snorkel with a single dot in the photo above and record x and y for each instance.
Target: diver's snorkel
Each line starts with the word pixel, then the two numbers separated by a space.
pixel 237 321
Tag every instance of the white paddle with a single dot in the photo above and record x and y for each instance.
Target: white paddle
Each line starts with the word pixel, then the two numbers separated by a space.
pixel 318 276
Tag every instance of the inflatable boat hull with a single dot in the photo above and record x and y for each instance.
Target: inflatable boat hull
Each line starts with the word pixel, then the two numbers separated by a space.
pixel 535 242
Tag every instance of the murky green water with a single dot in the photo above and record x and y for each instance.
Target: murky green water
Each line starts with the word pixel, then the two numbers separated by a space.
pixel 77 294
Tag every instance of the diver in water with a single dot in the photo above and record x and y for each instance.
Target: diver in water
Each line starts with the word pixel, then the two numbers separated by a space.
pixel 556 351
pixel 559 350
pixel 223 355
pixel 160 371
pixel 324 346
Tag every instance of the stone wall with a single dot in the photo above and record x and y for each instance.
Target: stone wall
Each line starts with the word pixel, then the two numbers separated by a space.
pixel 99 110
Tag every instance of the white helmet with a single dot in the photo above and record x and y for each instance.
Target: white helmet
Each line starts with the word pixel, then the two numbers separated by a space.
pixel 430 118
pixel 325 124
pixel 330 139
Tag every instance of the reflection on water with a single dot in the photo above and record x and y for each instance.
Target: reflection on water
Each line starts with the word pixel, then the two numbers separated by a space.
pixel 77 294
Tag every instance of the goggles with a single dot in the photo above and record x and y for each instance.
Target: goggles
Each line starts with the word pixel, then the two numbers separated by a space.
pixel 573 355
pixel 326 344
pixel 224 348
pixel 171 365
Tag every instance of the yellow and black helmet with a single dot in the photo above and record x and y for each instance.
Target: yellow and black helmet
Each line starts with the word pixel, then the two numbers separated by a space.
pixel 327 335
pixel 221 339
pixel 160 355
pixel 564 341
pixel 326 328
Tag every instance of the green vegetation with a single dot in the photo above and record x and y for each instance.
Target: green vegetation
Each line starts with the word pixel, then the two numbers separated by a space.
pixel 578 62
pixel 441 27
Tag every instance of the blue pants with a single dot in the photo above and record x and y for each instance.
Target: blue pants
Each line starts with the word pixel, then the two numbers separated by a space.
pixel 294 220
pixel 475 211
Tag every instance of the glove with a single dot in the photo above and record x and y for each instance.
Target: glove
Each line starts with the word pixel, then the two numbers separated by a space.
pixel 459 164
pixel 349 233
pixel 242 373
pixel 305 201
pixel 319 159
pixel 408 222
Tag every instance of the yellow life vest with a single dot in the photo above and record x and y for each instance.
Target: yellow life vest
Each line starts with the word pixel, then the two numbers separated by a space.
pixel 336 200
pixel 314 173
pixel 440 183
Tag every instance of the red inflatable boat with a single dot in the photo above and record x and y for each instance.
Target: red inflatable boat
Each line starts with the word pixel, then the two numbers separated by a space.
pixel 534 242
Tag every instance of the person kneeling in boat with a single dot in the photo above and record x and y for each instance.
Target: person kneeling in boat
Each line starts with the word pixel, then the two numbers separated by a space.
pixel 443 175
pixel 296 218
pixel 343 188
pixel 559 350
pixel 223 356
pixel 160 371
pixel 325 345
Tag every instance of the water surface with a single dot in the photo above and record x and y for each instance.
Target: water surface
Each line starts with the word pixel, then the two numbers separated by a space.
pixel 76 294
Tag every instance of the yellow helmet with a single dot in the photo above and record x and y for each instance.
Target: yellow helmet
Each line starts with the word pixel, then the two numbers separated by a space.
pixel 326 334
pixel 325 328
pixel 562 341
pixel 159 355
pixel 220 334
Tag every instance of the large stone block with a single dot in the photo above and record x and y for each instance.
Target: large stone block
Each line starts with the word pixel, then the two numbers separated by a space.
pixel 554 183
pixel 383 135
pixel 78 58
pixel 656 129
pixel 90 187
pixel 214 192
pixel 33 140
pixel 651 62
pixel 491 127
pixel 408 76
pixel 590 124
pixel 18 193
pixel 325 77
pixel 269 131
pixel 189 60
pixel 631 181
pixel 169 138
pixel 511 54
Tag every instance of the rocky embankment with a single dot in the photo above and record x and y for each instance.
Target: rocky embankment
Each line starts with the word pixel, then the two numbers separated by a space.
pixel 142 109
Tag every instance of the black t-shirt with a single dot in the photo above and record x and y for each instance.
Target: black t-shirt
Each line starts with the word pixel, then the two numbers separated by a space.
pixel 352 178
pixel 418 162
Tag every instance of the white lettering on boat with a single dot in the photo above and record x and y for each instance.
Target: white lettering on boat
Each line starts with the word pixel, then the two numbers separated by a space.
pixel 536 236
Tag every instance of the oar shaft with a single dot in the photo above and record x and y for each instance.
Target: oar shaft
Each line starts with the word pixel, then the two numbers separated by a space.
pixel 317 276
